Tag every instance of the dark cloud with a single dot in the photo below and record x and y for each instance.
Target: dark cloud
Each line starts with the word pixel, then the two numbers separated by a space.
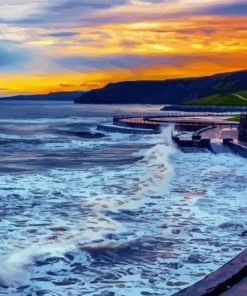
pixel 196 30
pixel 80 63
pixel 239 8
pixel 67 85
pixel 93 4
pixel 63 34
pixel 133 62
pixel 83 85
pixel 64 13
pixel 75 13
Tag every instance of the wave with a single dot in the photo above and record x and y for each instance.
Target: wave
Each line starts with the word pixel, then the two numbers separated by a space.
pixel 99 229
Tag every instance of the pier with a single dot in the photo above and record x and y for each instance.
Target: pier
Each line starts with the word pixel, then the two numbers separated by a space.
pixel 212 131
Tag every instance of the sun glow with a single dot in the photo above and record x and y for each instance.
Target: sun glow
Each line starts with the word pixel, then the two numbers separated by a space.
pixel 90 56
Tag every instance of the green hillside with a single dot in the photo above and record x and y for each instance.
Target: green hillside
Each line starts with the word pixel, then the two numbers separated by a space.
pixel 222 100
pixel 243 93
pixel 234 118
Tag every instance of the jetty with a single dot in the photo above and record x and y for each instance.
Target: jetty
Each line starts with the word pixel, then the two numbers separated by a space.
pixel 211 131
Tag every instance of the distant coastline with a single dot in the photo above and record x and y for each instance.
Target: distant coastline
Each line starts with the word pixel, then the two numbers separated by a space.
pixel 54 96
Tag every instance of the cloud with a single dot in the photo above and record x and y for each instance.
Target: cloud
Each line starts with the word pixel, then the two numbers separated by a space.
pixel 63 34
pixel 116 39
pixel 139 10
pixel 12 57
pixel 67 85
pixel 79 86
pixel 13 10
pixel 55 13
pixel 233 9
pixel 74 13
pixel 80 63
pixel 92 4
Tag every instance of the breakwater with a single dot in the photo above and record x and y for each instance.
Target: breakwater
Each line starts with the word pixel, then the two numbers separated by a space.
pixel 205 108
pixel 195 124
pixel 236 147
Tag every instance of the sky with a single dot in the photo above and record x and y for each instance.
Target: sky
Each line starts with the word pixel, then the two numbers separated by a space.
pixel 65 45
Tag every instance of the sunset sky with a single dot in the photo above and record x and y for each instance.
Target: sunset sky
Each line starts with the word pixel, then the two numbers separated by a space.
pixel 64 45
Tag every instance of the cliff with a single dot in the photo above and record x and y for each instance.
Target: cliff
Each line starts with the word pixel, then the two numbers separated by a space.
pixel 171 91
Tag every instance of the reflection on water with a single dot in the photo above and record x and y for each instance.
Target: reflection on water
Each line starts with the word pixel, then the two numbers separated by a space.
pixel 83 214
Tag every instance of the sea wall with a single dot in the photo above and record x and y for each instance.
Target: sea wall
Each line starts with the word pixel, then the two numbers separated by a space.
pixel 112 128
pixel 236 148
pixel 200 143
pixel 136 125
pixel 221 280
pixel 205 108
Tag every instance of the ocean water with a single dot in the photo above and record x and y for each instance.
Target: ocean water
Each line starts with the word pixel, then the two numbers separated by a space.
pixel 89 213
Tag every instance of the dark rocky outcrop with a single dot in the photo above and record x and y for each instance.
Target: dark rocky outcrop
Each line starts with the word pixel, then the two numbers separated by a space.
pixel 171 91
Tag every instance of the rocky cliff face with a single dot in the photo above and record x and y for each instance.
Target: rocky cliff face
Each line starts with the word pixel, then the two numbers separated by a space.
pixel 171 91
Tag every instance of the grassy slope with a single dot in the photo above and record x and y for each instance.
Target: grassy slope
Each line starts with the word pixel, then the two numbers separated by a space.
pixel 234 118
pixel 243 93
pixel 223 100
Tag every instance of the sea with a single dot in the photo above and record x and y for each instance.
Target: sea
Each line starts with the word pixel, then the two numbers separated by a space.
pixel 85 212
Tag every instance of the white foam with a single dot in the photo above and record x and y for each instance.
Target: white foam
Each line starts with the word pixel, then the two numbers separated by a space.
pixel 158 189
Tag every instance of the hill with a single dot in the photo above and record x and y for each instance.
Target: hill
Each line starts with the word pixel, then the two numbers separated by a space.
pixel 231 99
pixel 170 91
pixel 55 96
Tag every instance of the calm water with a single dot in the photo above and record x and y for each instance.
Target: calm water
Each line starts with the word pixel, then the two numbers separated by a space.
pixel 81 214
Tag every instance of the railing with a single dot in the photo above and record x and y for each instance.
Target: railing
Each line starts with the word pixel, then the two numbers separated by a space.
pixel 159 115
pixel 205 108
pixel 151 121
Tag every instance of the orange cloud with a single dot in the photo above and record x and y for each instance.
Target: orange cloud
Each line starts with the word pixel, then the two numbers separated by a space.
pixel 211 44
pixel 188 35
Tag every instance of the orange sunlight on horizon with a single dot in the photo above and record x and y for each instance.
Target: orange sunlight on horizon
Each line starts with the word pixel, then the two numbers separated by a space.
pixel 185 47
